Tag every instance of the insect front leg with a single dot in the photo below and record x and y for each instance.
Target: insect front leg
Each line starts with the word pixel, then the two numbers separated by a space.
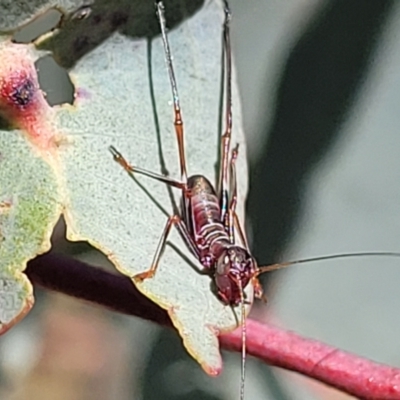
pixel 258 290
pixel 232 222
pixel 231 218
pixel 172 220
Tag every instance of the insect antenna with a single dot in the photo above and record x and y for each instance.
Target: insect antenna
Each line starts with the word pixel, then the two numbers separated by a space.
pixel 274 267
pixel 243 356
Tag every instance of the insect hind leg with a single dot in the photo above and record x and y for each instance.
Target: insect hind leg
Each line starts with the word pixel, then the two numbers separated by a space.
pixel 178 122
pixel 226 137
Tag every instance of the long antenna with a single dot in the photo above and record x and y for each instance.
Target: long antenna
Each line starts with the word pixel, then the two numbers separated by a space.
pixel 177 107
pixel 274 267
pixel 243 323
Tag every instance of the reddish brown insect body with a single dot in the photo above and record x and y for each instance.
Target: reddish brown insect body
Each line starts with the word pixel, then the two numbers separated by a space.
pixel 228 262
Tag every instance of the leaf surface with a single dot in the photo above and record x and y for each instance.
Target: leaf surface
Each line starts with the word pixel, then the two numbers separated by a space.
pixel 15 13
pixel 123 98
pixel 30 201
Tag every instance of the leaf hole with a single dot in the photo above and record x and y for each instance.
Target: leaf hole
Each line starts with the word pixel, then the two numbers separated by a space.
pixel 54 81
pixel 38 26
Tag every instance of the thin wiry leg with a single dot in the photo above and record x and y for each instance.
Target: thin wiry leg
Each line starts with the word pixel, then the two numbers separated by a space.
pixel 239 229
pixel 119 158
pixel 258 290
pixel 231 218
pixel 233 222
pixel 175 96
pixel 172 220
pixel 226 137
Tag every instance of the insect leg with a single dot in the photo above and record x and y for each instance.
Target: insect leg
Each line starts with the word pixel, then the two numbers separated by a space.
pixel 258 290
pixel 177 108
pixel 234 223
pixel 172 220
pixel 232 218
pixel 226 137
pixel 119 158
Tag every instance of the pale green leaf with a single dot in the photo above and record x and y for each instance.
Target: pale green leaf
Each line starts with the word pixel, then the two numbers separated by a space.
pixel 15 13
pixel 29 208
pixel 102 204
pixel 30 200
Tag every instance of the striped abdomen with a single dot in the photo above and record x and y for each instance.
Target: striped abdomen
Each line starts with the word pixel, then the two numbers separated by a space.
pixel 205 220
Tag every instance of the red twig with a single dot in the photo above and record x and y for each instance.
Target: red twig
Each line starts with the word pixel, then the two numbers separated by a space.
pixel 352 374
pixel 345 371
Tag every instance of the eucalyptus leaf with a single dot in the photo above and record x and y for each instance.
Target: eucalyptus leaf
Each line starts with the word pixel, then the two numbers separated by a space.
pixel 30 200
pixel 29 209
pixel 123 98
pixel 16 13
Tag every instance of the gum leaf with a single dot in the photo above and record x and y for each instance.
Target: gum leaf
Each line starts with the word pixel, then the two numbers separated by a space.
pixel 30 200
pixel 123 98
pixel 15 13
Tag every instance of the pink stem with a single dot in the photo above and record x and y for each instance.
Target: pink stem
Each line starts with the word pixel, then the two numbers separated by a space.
pixel 352 374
